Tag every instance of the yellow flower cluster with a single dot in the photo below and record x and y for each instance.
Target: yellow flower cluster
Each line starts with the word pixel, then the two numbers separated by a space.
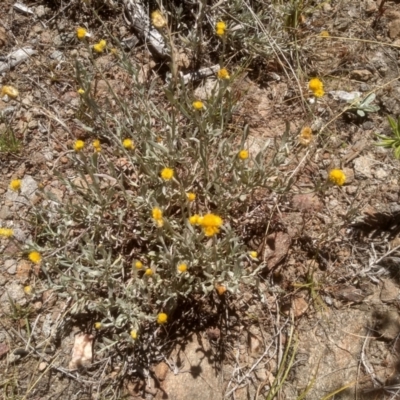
pixel 10 91
pixel 198 105
pixel 15 185
pixel 220 28
pixel 128 144
pixel 317 87
pixel 210 223
pixel 158 20
pixel 305 137
pixel 191 196
pixel 98 325
pixel 35 257
pixel 223 74
pixel 97 145
pixel 182 267
pixel 337 177
pixel 158 216
pixel 81 91
pixel 167 174
pixel 162 318
pixel 6 232
pixel 100 47
pixel 243 154
pixel 79 145
pixel 81 33
pixel 134 334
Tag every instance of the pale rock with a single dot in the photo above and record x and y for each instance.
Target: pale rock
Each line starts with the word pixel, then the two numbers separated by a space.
pixel 362 167
pixel 361 74
pixel 389 291
pixel 381 173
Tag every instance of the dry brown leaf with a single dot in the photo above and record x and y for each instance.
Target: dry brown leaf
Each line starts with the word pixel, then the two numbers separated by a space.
pixel 82 352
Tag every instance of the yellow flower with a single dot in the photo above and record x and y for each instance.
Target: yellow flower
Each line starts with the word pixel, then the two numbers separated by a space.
pixel 6 232
pixel 158 217
pixel 148 272
pixel 319 93
pixel 138 265
pixel 79 145
pixel 220 28
pixel 15 185
pixel 10 91
pixel 134 334
pixel 198 105
pixel 162 318
pixel 243 154
pixel 99 47
pixel 324 34
pixel 182 268
pixel 158 19
pixel 81 91
pixel 337 177
pixel 191 196
pixel 253 254
pixel 221 289
pixel 167 174
pixel 81 33
pixel 97 145
pixel 223 74
pixel 210 223
pixel 98 325
pixel 28 289
pixel 195 219
pixel 315 84
pixel 35 257
pixel 305 136
pixel 128 144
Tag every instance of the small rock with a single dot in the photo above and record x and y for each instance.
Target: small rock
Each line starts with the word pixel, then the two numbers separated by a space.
pixel 364 87
pixel 40 11
pixel 388 325
pixel 4 213
pixel 389 291
pixel 300 306
pixel 351 189
pixel 56 55
pixel 14 291
pixel 161 370
pixel 341 95
pixel 367 125
pixel 203 92
pixel 42 366
pixel 306 202
pixel 361 74
pixel 381 173
pixel 362 166
pixel 10 266
pixel 394 29
pixel 23 270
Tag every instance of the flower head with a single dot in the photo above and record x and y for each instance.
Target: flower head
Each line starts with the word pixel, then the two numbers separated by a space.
pixel 211 224
pixel 182 268
pixel 148 272
pixel 243 154
pixel 315 84
pixel 15 185
pixel 128 144
pixel 81 91
pixel 221 289
pixel 138 264
pixel 10 91
pixel 81 33
pixel 99 47
pixel 28 289
pixel 133 334
pixel 79 145
pixel 305 136
pixel 167 174
pixel 158 216
pixel 220 28
pixel 98 325
pixel 253 255
pixel 162 318
pixel 195 219
pixel 6 232
pixel 198 105
pixel 158 20
pixel 35 257
pixel 223 74
pixel 191 196
pixel 319 93
pixel 97 146
pixel 324 34
pixel 337 177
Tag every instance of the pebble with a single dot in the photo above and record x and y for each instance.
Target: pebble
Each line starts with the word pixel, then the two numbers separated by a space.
pixel 381 173
pixel 10 266
pixel 362 166
pixel 361 74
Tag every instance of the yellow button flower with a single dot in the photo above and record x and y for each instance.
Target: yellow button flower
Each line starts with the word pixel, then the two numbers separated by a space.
pixel 81 91
pixel 319 93
pixel 324 34
pixel 148 272
pixel 191 196
pixel 223 74
pixel 28 290
pixel 337 177
pixel 98 325
pixel 182 268
pixel 243 154
pixel 194 219
pixel 100 47
pixel 158 20
pixel 220 28
pixel 138 265
pixel 315 84
pixel 198 105
pixel 10 91
pixel 305 137
pixel 81 33
pixel 15 185
pixel 128 144
pixel 211 224
pixel 134 334
pixel 221 289
pixel 167 174
pixel 97 145
pixel 158 216
pixel 162 318
pixel 6 232
pixel 35 257
pixel 79 145
pixel 253 254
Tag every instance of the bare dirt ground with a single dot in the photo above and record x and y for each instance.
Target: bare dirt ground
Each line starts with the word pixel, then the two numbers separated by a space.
pixel 339 324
